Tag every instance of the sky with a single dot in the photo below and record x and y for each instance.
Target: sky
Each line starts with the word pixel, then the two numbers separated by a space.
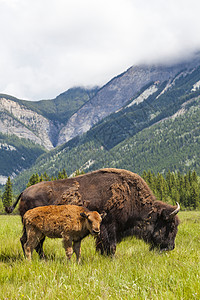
pixel 49 46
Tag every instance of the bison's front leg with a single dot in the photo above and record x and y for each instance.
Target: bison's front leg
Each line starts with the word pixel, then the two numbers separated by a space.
pixel 77 250
pixel 67 243
pixel 106 241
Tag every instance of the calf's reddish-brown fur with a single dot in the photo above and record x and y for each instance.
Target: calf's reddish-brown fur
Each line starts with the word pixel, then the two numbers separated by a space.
pixel 70 222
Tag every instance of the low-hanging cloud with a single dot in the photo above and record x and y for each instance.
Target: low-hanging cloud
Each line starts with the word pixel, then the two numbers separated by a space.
pixel 49 46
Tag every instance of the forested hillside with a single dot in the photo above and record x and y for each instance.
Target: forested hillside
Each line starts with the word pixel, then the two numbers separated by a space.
pixel 175 187
pixel 23 152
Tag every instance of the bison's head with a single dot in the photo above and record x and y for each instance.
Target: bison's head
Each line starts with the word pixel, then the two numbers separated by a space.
pixel 165 230
pixel 93 221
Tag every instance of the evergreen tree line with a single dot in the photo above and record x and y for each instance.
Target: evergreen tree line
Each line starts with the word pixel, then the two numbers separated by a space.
pixel 174 187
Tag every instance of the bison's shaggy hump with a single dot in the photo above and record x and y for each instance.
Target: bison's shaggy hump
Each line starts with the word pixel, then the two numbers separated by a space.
pixel 120 195
pixel 127 186
pixel 70 196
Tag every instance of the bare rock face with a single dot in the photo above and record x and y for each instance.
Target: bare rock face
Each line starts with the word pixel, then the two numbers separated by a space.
pixel 17 119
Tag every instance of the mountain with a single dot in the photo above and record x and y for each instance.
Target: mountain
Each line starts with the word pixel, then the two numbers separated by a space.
pixel 86 126
pixel 41 121
pixel 28 129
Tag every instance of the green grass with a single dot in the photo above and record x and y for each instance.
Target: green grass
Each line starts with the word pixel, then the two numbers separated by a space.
pixel 134 272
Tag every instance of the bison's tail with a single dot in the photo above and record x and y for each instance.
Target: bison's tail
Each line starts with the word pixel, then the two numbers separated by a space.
pixel 10 209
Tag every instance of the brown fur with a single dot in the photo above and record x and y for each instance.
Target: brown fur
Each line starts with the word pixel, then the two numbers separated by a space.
pixel 70 222
pixel 131 207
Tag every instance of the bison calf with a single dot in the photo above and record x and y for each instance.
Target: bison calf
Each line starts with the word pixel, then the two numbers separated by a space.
pixel 70 222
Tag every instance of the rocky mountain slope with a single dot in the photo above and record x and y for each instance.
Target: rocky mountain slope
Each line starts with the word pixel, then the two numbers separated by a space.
pixel 40 121
pixel 25 123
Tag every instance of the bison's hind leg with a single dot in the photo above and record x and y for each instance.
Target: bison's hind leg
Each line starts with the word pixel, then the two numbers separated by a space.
pixel 23 239
pixel 33 238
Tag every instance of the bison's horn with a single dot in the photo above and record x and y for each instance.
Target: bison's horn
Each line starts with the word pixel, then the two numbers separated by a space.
pixel 172 215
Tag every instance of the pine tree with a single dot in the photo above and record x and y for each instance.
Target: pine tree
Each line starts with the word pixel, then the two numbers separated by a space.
pixel 8 194
pixel 161 187
pixel 60 175
pixel 64 173
pixel 78 172
pixel 144 175
pixel 175 195
pixel 194 198
pixel 194 177
pixel 33 180
pixel 187 182
pixel 45 177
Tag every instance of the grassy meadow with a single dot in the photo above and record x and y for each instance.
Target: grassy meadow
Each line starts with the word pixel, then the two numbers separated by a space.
pixel 134 272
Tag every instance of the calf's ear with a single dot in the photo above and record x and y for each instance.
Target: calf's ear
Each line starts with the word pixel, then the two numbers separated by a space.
pixel 83 215
pixel 103 214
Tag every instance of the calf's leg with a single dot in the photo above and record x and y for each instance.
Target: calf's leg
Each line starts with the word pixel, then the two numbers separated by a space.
pixel 67 243
pixel 33 238
pixel 77 250
pixel 39 248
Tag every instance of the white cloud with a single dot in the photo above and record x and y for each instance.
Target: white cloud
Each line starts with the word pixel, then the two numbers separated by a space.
pixel 48 46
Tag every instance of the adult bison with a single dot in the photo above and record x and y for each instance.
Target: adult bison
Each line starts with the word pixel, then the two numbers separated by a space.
pixel 131 207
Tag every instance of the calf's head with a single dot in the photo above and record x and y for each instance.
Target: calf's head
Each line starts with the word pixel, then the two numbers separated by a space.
pixel 165 230
pixel 93 221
